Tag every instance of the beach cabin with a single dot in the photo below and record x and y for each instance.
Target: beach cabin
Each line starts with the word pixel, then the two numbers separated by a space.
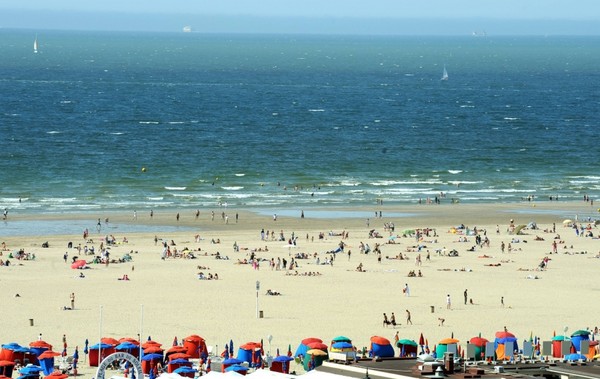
pixel 505 344
pixel 196 346
pixel 479 347
pixel 577 337
pixel 445 345
pixel 46 360
pixel 381 347
pixel 38 347
pixel 314 358
pixel 281 363
pixel 303 347
pixel 239 369
pixel 174 364
pixel 251 352
pixel 6 368
pixel 407 348
pixel 99 352
pixel 557 345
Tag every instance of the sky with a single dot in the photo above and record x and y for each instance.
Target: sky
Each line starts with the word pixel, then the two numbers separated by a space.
pixel 309 16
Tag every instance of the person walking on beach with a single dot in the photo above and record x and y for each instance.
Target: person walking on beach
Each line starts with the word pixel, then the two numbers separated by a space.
pixel 72 300
pixel 408 319
pixel 466 296
pixel 502 247
pixel 406 290
pixel 502 301
pixel 448 302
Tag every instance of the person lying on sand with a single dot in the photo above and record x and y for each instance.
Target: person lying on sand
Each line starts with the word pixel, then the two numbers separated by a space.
pixel 273 293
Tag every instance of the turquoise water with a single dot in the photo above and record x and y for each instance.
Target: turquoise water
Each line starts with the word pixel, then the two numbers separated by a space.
pixel 271 122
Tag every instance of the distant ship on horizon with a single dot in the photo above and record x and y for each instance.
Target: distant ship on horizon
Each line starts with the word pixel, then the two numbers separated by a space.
pixel 187 29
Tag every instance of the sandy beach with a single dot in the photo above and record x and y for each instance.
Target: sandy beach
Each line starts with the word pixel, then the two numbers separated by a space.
pixel 165 299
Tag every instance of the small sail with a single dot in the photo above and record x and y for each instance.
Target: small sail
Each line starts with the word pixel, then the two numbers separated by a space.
pixel 35 45
pixel 445 74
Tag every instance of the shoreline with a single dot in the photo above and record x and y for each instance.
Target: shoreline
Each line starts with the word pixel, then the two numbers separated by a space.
pixel 535 211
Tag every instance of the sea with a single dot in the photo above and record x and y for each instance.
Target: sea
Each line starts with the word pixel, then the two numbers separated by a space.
pixel 113 121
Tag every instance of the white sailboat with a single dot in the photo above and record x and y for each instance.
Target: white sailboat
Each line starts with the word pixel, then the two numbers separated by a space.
pixel 35 45
pixel 444 74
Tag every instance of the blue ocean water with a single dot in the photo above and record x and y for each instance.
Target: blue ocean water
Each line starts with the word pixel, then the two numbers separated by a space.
pixel 118 121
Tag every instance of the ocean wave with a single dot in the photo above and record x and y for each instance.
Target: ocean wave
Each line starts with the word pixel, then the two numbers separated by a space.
pixel 240 174
pixel 232 188
pixel 176 122
pixel 58 199
pixel 155 198
pixel 454 172
pixel 53 132
pixel 117 133
pixel 148 122
pixel 316 110
pixel 175 188
pixel 511 118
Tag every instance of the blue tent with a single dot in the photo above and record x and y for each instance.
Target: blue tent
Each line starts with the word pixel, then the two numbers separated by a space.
pixel 236 368
pixel 185 370
pixel 575 357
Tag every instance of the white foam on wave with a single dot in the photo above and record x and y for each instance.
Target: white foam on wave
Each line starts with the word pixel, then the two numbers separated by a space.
pixel 232 188
pixel 148 122
pixel 176 122
pixel 117 133
pixel 511 118
pixel 58 199
pixel 53 132
pixel 316 110
pixel 240 174
pixel 454 172
pixel 155 198
pixel 175 188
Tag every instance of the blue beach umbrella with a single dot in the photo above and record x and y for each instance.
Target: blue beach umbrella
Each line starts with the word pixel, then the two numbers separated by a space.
pixel 30 370
pixel 152 356
pixel 230 347
pixel 185 370
pixel 236 368
pixel 232 361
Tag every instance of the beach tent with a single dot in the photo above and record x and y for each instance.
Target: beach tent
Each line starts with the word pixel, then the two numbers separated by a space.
pixel 479 344
pixel 500 342
pixel 281 363
pixel 46 360
pixel 408 348
pixel 24 355
pixel 442 346
pixel 314 358
pixel 128 347
pixel 196 346
pixel 342 347
pixel 251 352
pixel 149 362
pixel 577 337
pixel 98 352
pixel 557 342
pixel 174 364
pixel 381 347
pixel 303 347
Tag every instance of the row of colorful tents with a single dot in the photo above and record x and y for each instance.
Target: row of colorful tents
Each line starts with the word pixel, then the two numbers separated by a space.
pixel 311 352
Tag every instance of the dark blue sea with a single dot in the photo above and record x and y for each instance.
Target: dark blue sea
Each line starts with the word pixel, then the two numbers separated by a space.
pixel 123 121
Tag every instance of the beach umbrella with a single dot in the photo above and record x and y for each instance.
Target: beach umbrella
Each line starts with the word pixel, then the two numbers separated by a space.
pixel 236 368
pixel 30 370
pixel 277 353
pixel 126 346
pixel 225 353
pixel 48 354
pixel 56 375
pixel 581 333
pixel 230 347
pixel 185 370
pixel 342 345
pixel 289 352
pixel 316 352
pixel 109 340
pixel 421 342
pixel 342 339
pixel 150 343
pixel 448 341
pixel 178 361
pixel 151 357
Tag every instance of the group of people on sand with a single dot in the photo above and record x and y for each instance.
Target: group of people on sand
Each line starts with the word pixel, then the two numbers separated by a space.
pixel 412 274
pixel 202 276
pixel 306 273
